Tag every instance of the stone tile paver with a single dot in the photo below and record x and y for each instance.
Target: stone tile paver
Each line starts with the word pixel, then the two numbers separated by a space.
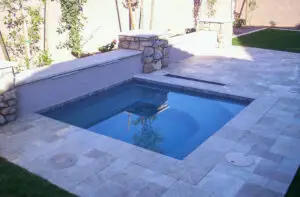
pixel 181 189
pixel 151 190
pixel 213 143
pixel 89 186
pixel 110 189
pixel 288 166
pixel 132 183
pixel 149 175
pixel 253 190
pixel 167 165
pixel 258 180
pixel 269 169
pixel 239 172
pixel 220 184
pixel 231 133
pixel 287 146
pixel 262 151
pixel 193 174
pixel 278 186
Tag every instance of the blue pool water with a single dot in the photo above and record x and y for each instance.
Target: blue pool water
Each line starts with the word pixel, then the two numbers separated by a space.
pixel 160 119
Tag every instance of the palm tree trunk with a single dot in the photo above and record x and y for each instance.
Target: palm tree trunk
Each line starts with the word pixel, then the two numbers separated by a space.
pixel 247 13
pixel 118 13
pixel 152 13
pixel 130 16
pixel 141 23
pixel 197 4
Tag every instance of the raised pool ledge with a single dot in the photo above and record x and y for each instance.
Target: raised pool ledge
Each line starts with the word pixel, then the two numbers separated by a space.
pixel 46 87
pixel 69 67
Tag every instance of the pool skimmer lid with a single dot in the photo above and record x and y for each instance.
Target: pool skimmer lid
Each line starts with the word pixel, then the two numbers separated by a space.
pixel 63 160
pixel 239 159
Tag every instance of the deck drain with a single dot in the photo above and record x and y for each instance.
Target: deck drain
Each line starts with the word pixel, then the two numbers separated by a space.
pixel 63 160
pixel 193 79
pixel 239 159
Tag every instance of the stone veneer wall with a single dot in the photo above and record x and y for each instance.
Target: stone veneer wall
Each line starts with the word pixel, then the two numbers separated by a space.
pixel 155 49
pixel 8 97
pixel 223 29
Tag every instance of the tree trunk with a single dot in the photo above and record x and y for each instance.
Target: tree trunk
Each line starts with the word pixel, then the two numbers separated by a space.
pixel 3 48
pixel 141 23
pixel 130 15
pixel 45 44
pixel 152 13
pixel 197 4
pixel 118 13
pixel 246 13
pixel 242 8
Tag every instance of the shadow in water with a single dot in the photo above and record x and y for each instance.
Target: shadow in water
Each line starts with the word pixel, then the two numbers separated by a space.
pixel 147 137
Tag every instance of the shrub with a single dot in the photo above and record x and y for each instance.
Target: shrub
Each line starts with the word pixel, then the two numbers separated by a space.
pixel 239 22
pixel 109 47
pixel 190 30
pixel 44 58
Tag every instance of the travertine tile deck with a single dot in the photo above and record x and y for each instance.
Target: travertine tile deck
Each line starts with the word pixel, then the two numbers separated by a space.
pixel 266 135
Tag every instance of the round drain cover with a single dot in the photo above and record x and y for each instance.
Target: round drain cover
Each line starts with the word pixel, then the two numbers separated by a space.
pixel 239 159
pixel 63 160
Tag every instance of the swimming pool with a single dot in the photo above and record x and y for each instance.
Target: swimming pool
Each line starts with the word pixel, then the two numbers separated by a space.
pixel 158 118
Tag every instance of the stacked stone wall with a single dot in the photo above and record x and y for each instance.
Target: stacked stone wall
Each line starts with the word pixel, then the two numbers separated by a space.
pixel 155 50
pixel 8 97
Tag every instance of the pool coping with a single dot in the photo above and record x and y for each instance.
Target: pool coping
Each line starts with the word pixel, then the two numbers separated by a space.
pixel 242 121
pixel 182 89
pixel 238 121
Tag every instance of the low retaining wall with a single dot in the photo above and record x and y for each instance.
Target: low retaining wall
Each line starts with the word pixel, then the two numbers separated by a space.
pixel 48 87
pixel 155 48
pixel 8 97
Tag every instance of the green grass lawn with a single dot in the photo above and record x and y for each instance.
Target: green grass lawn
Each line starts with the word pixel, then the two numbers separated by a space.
pixel 18 182
pixel 271 39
